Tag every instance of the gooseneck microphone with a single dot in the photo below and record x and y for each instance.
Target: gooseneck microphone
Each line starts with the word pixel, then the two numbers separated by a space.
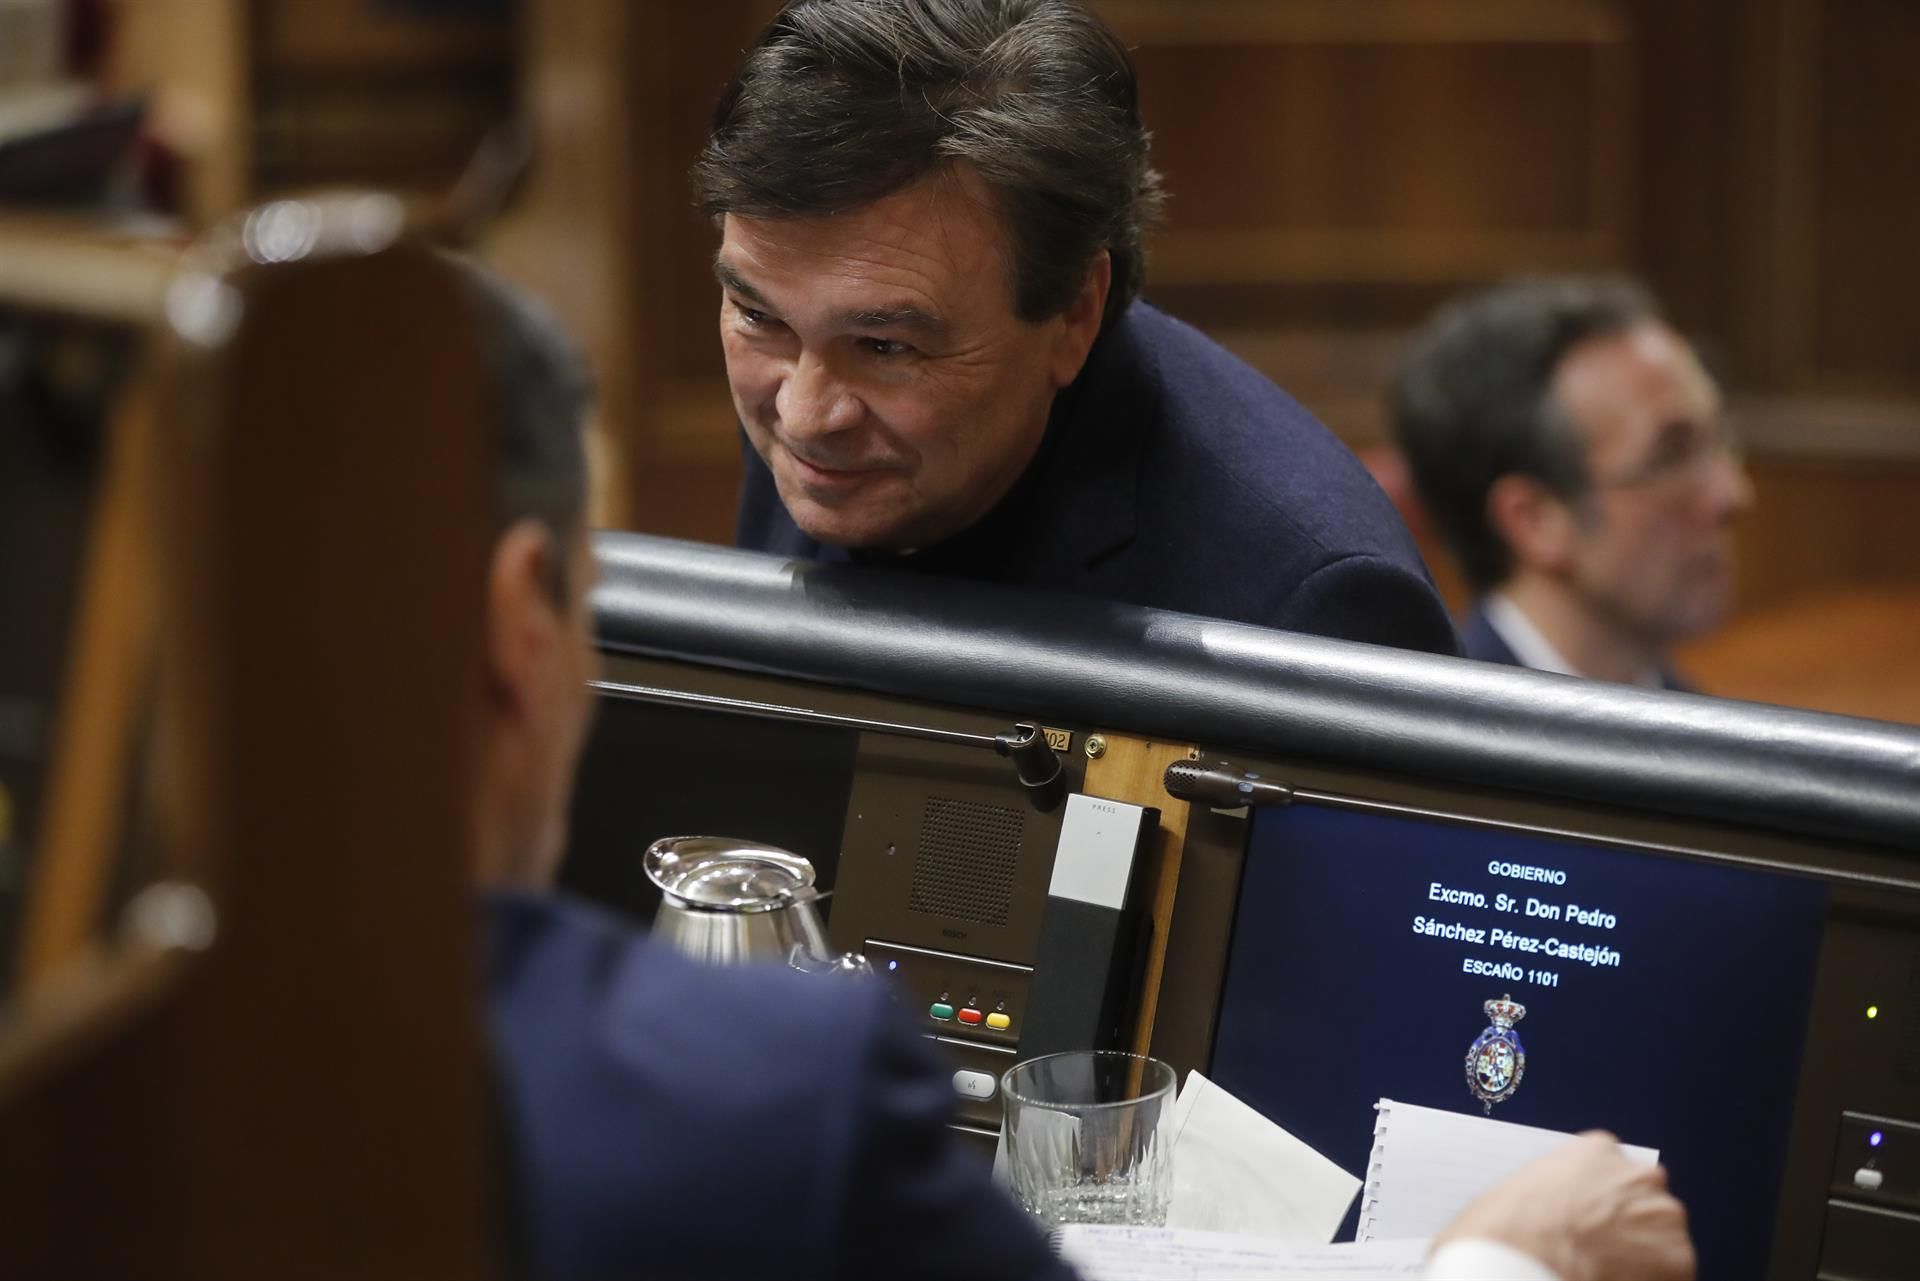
pixel 1036 764
pixel 1223 785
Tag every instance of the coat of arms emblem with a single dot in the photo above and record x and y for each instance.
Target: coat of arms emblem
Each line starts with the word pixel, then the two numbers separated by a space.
pixel 1496 1061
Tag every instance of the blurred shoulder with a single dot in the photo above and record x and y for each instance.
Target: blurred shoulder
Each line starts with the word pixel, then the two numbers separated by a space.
pixel 646 1094
pixel 646 997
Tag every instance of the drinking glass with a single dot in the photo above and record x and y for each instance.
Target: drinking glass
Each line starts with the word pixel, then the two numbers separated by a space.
pixel 1090 1137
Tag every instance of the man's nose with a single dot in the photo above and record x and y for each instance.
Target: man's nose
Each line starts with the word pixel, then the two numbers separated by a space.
pixel 1732 486
pixel 814 400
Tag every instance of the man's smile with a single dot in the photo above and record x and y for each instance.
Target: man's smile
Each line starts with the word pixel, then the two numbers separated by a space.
pixel 825 477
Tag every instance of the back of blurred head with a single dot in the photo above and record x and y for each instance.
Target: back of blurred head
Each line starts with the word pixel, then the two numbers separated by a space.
pixel 538 629
pixel 1569 447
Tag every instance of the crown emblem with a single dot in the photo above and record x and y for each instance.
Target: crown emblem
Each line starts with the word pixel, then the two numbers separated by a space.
pixel 1496 1060
pixel 1505 1012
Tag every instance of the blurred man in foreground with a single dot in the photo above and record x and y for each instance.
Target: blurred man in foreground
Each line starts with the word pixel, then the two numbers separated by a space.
pixel 671 1120
pixel 1569 446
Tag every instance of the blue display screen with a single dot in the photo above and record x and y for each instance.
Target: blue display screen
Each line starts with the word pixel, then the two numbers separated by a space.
pixel 1666 999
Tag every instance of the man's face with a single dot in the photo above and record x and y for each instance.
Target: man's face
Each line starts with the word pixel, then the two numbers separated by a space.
pixel 1655 547
pixel 878 366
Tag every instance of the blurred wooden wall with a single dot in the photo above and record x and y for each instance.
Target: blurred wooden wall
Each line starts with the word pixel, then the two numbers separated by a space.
pixel 255 97
pixel 622 95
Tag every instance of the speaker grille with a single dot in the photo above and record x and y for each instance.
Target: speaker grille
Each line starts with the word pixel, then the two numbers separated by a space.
pixel 968 856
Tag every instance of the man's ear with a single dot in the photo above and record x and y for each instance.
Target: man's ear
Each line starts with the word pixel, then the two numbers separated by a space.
pixel 523 622
pixel 1082 321
pixel 1540 528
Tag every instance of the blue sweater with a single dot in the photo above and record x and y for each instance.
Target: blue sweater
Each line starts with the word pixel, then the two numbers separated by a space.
pixel 1174 475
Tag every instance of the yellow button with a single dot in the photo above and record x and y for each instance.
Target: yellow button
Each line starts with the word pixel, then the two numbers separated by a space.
pixel 999 1022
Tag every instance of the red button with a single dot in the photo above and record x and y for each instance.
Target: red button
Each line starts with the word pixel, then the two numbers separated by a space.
pixel 970 1016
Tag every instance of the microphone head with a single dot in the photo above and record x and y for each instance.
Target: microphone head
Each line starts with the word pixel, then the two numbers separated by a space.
pixel 1039 769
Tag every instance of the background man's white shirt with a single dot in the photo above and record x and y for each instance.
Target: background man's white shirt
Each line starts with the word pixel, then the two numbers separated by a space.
pixel 1532 647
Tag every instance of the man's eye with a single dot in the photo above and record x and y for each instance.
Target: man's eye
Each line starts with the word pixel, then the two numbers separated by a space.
pixel 1678 451
pixel 885 346
pixel 753 318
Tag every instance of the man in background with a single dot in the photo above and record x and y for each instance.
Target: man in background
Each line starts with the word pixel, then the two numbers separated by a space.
pixel 932 215
pixel 1570 448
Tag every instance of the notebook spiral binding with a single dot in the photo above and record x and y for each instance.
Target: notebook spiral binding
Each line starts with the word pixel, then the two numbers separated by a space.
pixel 1376 1161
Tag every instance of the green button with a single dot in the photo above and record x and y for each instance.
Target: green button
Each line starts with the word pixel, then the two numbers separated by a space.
pixel 940 1011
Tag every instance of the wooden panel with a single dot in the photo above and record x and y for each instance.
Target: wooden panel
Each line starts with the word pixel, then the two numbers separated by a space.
pixel 1820 523
pixel 608 232
pixel 1775 149
pixel 692 459
pixel 571 239
pixel 1849 651
pixel 1216 22
pixel 268 94
pixel 347 93
pixel 354 36
pixel 308 1100
pixel 1687 108
pixel 694 499
pixel 192 58
pixel 374 131
pixel 111 669
pixel 1864 432
pixel 1869 197
pixel 1444 151
pixel 707 45
pixel 1471 140
pixel 1837 499
pixel 83 266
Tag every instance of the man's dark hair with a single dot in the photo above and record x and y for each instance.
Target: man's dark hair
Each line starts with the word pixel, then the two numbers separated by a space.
pixel 1473 402
pixel 842 102
pixel 538 393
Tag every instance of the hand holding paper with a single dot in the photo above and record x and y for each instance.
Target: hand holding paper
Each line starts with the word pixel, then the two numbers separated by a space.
pixel 1587 1210
pixel 1428 1164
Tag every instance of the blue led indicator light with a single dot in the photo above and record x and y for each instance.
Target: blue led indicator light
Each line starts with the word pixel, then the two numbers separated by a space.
pixel 1873 1140
pixel 892 965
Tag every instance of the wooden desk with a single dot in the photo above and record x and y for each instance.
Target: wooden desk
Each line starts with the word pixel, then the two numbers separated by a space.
pixel 113 271
pixel 1855 650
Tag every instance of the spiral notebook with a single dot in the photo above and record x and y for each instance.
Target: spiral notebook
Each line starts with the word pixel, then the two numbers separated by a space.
pixel 1428 1164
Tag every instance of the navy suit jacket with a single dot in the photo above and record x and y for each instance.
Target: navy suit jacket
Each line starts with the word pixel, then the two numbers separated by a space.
pixel 1479 640
pixel 1175 476
pixel 672 1120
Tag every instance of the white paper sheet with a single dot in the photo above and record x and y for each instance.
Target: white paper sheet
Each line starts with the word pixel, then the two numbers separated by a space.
pixel 1427 1164
pixel 1102 1253
pixel 1236 1171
